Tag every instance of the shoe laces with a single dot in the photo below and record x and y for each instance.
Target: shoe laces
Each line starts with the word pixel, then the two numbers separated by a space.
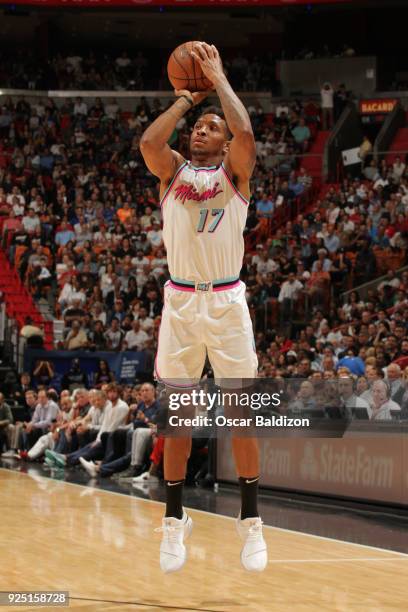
pixel 171 532
pixel 255 530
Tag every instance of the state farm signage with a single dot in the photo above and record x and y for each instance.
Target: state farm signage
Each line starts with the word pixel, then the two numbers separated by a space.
pixel 380 106
pixel 350 466
pixel 365 467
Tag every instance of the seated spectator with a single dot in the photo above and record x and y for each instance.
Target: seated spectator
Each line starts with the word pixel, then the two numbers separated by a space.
pixel 135 339
pixel 115 415
pixel 381 404
pixel 288 294
pixel 52 440
pixel 348 398
pixel 139 437
pixel 396 382
pixel 264 207
pixel 33 335
pixel 76 338
pixel 45 414
pixel 31 222
pixel 305 399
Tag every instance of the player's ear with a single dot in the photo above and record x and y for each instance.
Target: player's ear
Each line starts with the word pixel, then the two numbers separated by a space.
pixel 226 147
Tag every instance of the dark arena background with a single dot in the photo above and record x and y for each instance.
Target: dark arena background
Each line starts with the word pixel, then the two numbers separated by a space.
pixel 82 273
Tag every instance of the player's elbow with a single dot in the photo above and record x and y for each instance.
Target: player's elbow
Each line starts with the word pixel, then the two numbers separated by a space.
pixel 145 143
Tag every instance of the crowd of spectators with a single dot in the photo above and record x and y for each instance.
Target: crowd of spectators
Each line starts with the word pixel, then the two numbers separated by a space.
pixel 80 215
pixel 124 71
pixel 80 219
pixel 109 431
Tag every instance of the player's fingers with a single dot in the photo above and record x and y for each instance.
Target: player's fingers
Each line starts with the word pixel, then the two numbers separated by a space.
pixel 198 50
pixel 197 57
pixel 214 51
pixel 202 50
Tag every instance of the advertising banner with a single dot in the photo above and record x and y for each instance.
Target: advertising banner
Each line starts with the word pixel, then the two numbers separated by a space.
pixel 372 467
pixel 380 106
pixel 126 365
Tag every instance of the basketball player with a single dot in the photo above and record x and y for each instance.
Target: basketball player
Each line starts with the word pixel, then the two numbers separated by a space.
pixel 204 206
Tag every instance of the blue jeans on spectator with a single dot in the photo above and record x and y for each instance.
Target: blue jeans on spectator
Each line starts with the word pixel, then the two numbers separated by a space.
pixel 63 445
pixel 122 463
pixel 118 465
pixel 93 452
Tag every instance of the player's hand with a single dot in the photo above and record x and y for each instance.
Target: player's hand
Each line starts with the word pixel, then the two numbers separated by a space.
pixel 209 59
pixel 196 97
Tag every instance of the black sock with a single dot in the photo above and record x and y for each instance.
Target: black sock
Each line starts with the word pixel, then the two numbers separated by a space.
pixel 174 494
pixel 249 497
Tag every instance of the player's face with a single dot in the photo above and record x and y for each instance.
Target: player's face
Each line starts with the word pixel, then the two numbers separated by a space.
pixel 208 136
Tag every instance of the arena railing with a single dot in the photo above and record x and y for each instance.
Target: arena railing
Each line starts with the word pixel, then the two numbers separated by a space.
pixel 366 287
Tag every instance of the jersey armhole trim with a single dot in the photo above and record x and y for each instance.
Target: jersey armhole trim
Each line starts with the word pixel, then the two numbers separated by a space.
pixel 231 182
pixel 166 193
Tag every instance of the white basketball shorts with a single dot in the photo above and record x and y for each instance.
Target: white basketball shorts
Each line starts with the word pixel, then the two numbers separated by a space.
pixel 198 322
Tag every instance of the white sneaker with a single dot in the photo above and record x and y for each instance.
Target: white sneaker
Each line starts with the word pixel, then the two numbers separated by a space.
pixel 90 467
pixel 173 553
pixel 10 454
pixel 254 554
pixel 145 477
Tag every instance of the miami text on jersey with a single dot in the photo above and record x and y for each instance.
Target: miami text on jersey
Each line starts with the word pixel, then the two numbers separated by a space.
pixel 188 192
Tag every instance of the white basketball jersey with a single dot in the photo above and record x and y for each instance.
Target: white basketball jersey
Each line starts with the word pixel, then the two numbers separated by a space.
pixel 204 216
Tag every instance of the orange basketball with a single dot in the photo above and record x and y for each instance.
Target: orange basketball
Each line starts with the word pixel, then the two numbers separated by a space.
pixel 183 70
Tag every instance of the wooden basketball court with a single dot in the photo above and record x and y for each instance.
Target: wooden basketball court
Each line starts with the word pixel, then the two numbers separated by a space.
pixel 102 548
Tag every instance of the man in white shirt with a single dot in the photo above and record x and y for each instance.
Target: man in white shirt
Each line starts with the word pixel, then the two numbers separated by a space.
pixel 398 169
pixel 349 399
pixel 327 94
pixel 159 263
pixel 75 61
pixel 31 222
pixel 145 322
pixel 391 279
pixel 135 339
pixel 140 261
pixel 123 61
pixel 288 294
pixel 282 107
pixel 80 108
pixel 15 193
pixel 112 108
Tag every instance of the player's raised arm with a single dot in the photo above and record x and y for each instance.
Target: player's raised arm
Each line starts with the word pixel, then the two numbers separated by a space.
pixel 241 156
pixel 161 160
